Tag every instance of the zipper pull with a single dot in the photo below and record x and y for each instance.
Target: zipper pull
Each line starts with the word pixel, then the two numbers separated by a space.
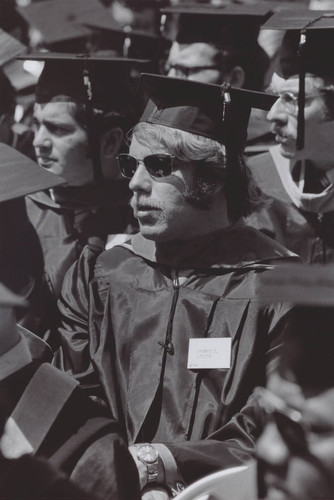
pixel 169 347
pixel 320 216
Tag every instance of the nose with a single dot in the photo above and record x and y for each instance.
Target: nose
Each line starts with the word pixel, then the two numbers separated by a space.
pixel 270 447
pixel 277 113
pixel 141 181
pixel 42 139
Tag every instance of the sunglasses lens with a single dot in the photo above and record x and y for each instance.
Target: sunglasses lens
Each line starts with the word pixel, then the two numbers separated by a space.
pixel 159 165
pixel 127 165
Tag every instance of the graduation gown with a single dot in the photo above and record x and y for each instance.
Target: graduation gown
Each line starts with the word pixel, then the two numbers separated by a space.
pixel 32 478
pixel 78 438
pixel 74 217
pixel 126 323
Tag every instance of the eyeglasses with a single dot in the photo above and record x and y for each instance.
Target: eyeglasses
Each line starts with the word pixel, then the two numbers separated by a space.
pixel 287 420
pixel 290 100
pixel 157 165
pixel 181 71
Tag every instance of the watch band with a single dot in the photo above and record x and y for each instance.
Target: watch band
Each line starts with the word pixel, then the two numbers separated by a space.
pixel 149 456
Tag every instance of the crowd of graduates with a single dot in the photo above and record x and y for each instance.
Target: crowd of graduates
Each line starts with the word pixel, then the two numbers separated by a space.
pixel 167 249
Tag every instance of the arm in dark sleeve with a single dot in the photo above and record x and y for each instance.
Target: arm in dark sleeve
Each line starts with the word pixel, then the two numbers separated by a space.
pixel 230 446
pixel 81 309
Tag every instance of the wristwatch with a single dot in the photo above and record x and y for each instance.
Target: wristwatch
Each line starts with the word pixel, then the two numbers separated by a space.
pixel 149 455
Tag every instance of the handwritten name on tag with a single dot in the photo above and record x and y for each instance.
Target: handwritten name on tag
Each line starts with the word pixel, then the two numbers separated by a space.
pixel 209 353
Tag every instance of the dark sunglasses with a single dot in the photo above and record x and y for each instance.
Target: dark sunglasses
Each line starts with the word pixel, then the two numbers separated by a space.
pixel 157 165
pixel 287 420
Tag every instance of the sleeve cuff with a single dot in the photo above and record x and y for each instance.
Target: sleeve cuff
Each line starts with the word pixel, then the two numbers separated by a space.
pixel 173 479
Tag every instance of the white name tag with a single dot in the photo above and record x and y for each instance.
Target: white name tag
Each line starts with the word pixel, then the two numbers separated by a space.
pixel 209 353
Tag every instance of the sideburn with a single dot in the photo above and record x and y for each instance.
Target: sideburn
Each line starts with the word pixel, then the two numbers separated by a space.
pixel 202 194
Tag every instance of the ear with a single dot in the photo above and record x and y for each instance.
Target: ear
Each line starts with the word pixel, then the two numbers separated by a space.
pixel 237 77
pixel 111 142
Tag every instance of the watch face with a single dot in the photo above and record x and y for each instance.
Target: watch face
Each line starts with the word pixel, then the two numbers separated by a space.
pixel 148 453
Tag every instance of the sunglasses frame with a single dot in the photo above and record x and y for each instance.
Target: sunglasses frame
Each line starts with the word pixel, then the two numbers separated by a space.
pixel 151 172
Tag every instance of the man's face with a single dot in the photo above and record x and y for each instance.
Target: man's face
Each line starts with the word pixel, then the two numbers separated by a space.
pixel 159 204
pixel 287 472
pixel 61 144
pixel 319 131
pixel 195 61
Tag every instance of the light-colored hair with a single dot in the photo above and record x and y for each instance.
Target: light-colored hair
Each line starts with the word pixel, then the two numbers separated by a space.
pixel 210 158
pixel 183 145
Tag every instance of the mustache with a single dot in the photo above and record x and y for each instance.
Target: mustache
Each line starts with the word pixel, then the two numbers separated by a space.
pixel 142 202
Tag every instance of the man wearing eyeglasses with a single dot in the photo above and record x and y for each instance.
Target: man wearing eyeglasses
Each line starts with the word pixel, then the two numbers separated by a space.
pixel 299 169
pixel 165 328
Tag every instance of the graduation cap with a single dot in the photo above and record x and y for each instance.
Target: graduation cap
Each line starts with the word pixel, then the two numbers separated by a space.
pixel 307 47
pixel 217 112
pixel 308 342
pixel 98 82
pixel 237 24
pixel 62 22
pixel 135 44
pixel 21 176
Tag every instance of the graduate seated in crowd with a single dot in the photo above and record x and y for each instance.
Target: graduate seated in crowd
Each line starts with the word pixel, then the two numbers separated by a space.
pixel 137 319
pixel 80 121
pixel 299 169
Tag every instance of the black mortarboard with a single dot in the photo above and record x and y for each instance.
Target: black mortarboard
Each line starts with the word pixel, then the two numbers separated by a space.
pixel 307 47
pixel 95 81
pixel 61 22
pixel 21 176
pixel 237 24
pixel 99 79
pixel 214 111
pixel 132 44
pixel 198 107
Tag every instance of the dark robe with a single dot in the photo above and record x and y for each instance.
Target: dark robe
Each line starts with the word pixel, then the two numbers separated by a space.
pixel 32 478
pixel 79 429
pixel 77 216
pixel 126 325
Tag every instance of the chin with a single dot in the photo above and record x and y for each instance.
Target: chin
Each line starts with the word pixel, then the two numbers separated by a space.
pixel 287 152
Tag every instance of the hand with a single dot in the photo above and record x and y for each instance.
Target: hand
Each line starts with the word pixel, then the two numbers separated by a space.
pixel 155 493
